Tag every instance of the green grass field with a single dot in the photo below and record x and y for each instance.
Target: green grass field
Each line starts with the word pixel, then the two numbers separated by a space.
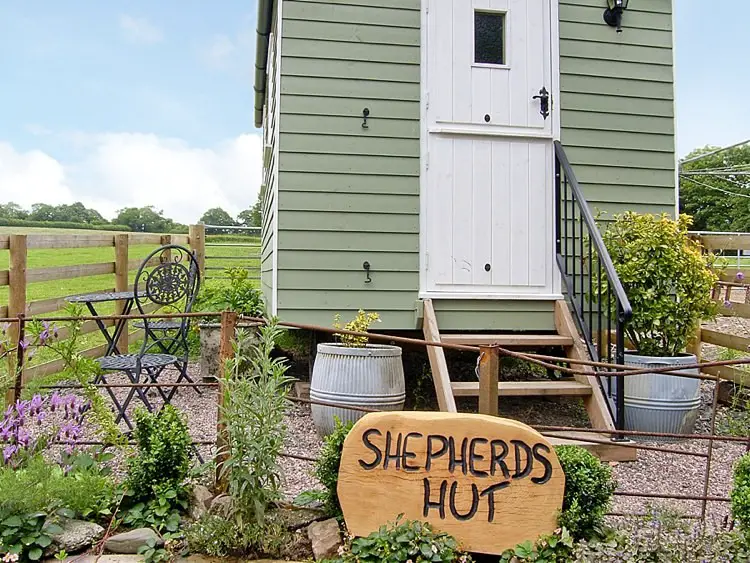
pixel 216 257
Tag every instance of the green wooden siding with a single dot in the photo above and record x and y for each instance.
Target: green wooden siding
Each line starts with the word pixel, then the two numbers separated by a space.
pixel 347 195
pixel 617 102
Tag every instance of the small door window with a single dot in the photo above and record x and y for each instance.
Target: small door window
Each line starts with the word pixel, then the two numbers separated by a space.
pixel 489 38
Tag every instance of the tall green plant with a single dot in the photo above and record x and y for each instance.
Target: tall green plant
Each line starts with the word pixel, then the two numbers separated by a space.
pixel 255 402
pixel 667 279
pixel 238 294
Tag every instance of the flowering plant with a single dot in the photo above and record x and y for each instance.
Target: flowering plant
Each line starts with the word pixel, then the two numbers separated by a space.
pixel 23 434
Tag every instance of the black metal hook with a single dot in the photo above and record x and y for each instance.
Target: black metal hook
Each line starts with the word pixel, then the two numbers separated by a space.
pixel 366 266
pixel 365 115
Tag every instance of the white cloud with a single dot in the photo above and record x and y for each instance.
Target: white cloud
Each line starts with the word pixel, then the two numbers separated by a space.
pixel 134 169
pixel 31 177
pixel 218 53
pixel 140 30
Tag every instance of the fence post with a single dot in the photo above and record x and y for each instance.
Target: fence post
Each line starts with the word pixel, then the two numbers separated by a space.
pixel 121 284
pixel 17 288
pixel 197 240
pixel 226 351
pixel 489 371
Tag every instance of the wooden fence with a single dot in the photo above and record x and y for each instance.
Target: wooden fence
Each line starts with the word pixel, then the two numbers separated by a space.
pixel 18 277
pixel 733 270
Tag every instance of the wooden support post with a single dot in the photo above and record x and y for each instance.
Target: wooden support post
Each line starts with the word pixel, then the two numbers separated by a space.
pixel 17 287
pixel 165 241
pixel 438 365
pixel 226 351
pixel 121 284
pixel 489 372
pixel 197 240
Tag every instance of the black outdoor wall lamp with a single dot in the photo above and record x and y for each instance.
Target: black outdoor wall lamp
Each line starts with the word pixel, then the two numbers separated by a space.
pixel 613 13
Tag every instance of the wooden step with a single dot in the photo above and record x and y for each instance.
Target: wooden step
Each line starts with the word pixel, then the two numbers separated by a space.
pixel 525 389
pixel 507 340
pixel 609 451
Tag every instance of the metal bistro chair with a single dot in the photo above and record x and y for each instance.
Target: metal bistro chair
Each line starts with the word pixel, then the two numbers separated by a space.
pixel 172 283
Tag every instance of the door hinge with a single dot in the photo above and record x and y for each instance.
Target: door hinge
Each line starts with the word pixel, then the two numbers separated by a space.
pixel 426 261
pixel 427 100
pixel 427 7
pixel 427 161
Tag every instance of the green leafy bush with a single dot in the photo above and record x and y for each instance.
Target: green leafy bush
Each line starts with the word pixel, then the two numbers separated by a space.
pixel 41 486
pixel 327 467
pixel 740 494
pixel 553 548
pixel 238 294
pixel 26 535
pixel 255 403
pixel 157 476
pixel 400 542
pixel 219 537
pixel 63 225
pixel 589 487
pixel 663 537
pixel 666 277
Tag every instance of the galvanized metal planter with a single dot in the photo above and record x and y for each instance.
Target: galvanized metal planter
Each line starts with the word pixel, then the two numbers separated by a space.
pixel 369 377
pixel 661 403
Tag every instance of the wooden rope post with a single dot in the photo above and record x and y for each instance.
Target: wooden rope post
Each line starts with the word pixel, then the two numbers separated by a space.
pixel 17 289
pixel 121 284
pixel 226 352
pixel 489 372
pixel 197 240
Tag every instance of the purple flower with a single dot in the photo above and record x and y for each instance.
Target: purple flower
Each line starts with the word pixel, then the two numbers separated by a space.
pixel 23 437
pixel 55 401
pixel 740 276
pixel 727 304
pixel 24 343
pixel 8 452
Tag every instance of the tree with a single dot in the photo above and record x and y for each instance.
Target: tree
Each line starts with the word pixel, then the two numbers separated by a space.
pixel 73 213
pixel 144 219
pixel 12 210
pixel 715 189
pixel 253 217
pixel 217 216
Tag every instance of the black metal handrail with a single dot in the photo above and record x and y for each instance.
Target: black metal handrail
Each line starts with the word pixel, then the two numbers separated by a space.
pixel 593 287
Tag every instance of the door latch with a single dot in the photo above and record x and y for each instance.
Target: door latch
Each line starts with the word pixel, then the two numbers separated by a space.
pixel 543 97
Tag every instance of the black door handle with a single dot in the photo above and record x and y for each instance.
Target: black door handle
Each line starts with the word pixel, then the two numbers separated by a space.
pixel 543 97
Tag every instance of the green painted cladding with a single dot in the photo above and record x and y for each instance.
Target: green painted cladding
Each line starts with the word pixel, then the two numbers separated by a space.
pixel 347 195
pixel 617 102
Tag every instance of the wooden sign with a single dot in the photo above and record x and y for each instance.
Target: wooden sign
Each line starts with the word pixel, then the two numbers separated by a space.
pixel 490 482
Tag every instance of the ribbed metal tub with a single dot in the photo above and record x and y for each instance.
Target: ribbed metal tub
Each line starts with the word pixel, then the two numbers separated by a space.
pixel 661 403
pixel 370 377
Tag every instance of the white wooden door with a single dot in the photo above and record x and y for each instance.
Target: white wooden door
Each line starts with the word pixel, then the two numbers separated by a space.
pixel 488 185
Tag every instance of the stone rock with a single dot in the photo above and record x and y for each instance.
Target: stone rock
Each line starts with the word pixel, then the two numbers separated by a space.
pixel 221 506
pixel 325 537
pixel 130 542
pixel 76 536
pixel 200 501
pixel 295 518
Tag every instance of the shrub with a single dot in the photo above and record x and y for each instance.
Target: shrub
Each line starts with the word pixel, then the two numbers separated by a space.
pixel 589 487
pixel 327 467
pixel 399 542
pixel 255 403
pixel 740 494
pixel 663 537
pixel 163 452
pixel 666 277
pixel 238 295
pixel 157 475
pixel 218 537
pixel 553 548
pixel 360 323
pixel 63 225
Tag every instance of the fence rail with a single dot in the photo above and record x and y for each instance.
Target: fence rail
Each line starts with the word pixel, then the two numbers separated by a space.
pixel 19 277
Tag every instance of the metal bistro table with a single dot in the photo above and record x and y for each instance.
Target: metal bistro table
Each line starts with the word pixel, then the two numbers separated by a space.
pixel 90 298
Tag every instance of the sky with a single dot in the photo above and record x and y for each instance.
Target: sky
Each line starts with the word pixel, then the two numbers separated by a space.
pixel 131 103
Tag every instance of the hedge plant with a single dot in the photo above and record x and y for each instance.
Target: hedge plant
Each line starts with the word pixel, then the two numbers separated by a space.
pixel 589 487
pixel 740 494
pixel 667 279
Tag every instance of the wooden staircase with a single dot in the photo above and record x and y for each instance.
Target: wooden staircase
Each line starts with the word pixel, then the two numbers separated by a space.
pixel 566 338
